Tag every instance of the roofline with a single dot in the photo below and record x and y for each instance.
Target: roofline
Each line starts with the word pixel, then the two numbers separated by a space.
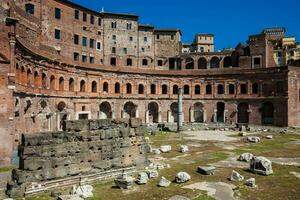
pixel 168 30
pixel 205 34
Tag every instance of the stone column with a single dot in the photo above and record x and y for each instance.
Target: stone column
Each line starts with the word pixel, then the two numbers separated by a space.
pixel 192 119
pixel 137 113
pixel 215 115
pixel 159 117
pixel 224 115
pixel 204 116
pixel 180 115
pixel 122 114
pixel 147 116
pixel 169 116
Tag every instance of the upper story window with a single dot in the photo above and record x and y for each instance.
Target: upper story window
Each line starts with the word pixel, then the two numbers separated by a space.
pixel 29 8
pixel 114 37
pixel 157 37
pixel 143 49
pixel 84 17
pixel 130 39
pixel 113 50
pixel 98 45
pixel 172 37
pixel 76 39
pixel 76 14
pixel 57 34
pixel 92 19
pixel 125 50
pixel 92 41
pixel 129 26
pixel 84 39
pixel 57 13
pixel 145 39
pixel 99 22
pixel 76 56
pixel 113 24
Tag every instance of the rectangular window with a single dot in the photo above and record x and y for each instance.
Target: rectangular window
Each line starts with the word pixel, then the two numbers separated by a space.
pixel 130 39
pixel 125 50
pixel 76 56
pixel 145 39
pixel 113 50
pixel 76 39
pixel 57 34
pixel 76 14
pixel 92 59
pixel 172 37
pixel 83 58
pixel 92 41
pixel 129 26
pixel 99 22
pixel 114 37
pixel 98 45
pixel 114 25
pixel 92 19
pixel 84 17
pixel 143 49
pixel 113 61
pixel 84 39
pixel 157 37
pixel 57 13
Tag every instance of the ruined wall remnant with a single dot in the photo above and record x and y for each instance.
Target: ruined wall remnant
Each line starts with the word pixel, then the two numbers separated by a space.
pixel 85 147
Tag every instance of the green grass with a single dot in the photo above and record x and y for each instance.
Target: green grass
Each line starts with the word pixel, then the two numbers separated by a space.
pixel 204 197
pixel 6 169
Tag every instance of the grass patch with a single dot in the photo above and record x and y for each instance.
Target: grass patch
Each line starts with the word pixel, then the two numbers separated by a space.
pixel 204 197
pixel 6 169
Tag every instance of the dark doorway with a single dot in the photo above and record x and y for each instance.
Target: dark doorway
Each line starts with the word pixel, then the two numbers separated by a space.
pixel 243 115
pixel 153 112
pixel 220 112
pixel 267 113
pixel 198 112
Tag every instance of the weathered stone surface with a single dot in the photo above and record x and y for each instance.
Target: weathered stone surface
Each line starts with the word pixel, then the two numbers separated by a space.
pixel 250 182
pixel 243 128
pixel 124 181
pixel 253 139
pixel 184 148
pixel 269 137
pixel 179 197
pixel 182 177
pixel 235 176
pixel 84 191
pixel 261 165
pixel 242 134
pixel 164 182
pixel 135 122
pixel 206 170
pixel 142 178
pixel 152 174
pixel 165 148
pixel 155 151
pixel 246 157
pixel 15 190
pixel 70 197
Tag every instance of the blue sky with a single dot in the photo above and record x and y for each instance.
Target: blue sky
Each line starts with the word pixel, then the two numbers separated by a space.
pixel 230 20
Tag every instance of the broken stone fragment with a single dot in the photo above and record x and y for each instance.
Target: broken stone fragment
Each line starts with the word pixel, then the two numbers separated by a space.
pixel 70 197
pixel 269 137
pixel 84 191
pixel 243 128
pixel 261 165
pixel 182 177
pixel 165 148
pixel 245 157
pixel 250 182
pixel 235 176
pixel 155 151
pixel 253 139
pixel 179 197
pixel 124 181
pixel 142 178
pixel 242 133
pixel 184 148
pixel 152 174
pixel 164 182
pixel 206 170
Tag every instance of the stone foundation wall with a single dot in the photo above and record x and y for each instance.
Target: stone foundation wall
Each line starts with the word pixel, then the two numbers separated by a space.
pixel 86 146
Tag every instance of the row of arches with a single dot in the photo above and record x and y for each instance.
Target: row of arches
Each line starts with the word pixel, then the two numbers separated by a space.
pixel 203 63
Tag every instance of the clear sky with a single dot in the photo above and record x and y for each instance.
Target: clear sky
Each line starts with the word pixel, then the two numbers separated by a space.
pixel 230 20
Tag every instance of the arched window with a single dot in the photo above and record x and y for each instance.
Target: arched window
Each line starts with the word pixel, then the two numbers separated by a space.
pixel 164 89
pixel 36 79
pixel 254 88
pixel 220 89
pixel 129 62
pixel 61 84
pixel 215 62
pixel 186 89
pixel 197 89
pixel 231 89
pixel 117 88
pixel 243 88
pixel 29 77
pixel 175 89
pixel 44 80
pixel 82 86
pixel 141 89
pixel 71 85
pixel 189 63
pixel 227 62
pixel 153 88
pixel 208 89
pixel 202 63
pixel 145 62
pixel 52 82
pixel 105 87
pixel 128 88
pixel 29 8
pixel 94 86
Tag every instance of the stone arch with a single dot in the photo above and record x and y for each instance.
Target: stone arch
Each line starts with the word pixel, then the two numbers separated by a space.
pixel 186 89
pixel 220 89
pixel 197 89
pixel 141 89
pixel 153 109
pixel 61 84
pixel 164 89
pixel 267 113
pixel 198 112
pixel 243 115
pixel 28 104
pixel 44 80
pixel 29 76
pixel 208 89
pixel 220 112
pixel 174 111
pixel 189 63
pixel 105 87
pixel 61 106
pixel 52 82
pixel 130 110
pixel 71 85
pixel 105 110
pixel 94 86
pixel 231 88
pixel 215 62
pixel 82 86
pixel 202 63
pixel 227 62
pixel 36 79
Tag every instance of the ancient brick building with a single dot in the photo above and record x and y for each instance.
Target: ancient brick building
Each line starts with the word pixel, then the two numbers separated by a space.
pixel 59 61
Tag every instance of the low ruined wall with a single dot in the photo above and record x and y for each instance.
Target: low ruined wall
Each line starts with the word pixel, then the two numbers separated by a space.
pixel 86 146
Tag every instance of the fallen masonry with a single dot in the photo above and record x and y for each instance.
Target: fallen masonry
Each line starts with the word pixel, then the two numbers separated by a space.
pixel 87 150
pixel 261 165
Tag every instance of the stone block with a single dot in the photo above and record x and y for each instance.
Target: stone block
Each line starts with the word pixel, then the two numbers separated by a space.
pixel 135 122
